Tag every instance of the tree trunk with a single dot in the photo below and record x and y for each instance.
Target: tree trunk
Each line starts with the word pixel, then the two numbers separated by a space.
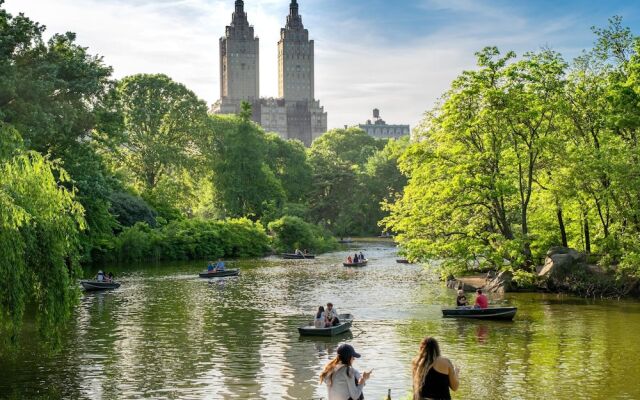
pixel 587 233
pixel 563 231
pixel 525 237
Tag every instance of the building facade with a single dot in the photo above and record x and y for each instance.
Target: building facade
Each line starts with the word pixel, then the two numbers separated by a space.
pixel 295 114
pixel 239 60
pixel 379 129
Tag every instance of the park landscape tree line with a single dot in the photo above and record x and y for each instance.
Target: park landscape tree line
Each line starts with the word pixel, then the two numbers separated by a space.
pixel 521 154
pixel 96 170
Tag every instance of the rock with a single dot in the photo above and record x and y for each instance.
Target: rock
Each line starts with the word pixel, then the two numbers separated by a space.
pixel 560 264
pixel 501 283
pixel 462 283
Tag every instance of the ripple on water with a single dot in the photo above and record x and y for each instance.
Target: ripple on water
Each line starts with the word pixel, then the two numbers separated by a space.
pixel 167 334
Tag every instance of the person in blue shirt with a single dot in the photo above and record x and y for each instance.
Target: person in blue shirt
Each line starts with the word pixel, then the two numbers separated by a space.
pixel 210 266
pixel 220 265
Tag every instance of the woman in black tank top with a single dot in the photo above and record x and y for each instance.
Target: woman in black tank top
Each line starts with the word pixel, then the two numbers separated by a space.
pixel 433 374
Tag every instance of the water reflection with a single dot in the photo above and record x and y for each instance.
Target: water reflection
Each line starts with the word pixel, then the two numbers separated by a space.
pixel 167 334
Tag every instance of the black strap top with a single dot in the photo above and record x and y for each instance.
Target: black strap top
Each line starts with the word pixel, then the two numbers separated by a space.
pixel 435 385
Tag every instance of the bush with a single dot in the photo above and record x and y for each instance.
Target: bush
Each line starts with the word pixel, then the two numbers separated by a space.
pixel 525 279
pixel 192 239
pixel 129 209
pixel 293 232
pixel 629 266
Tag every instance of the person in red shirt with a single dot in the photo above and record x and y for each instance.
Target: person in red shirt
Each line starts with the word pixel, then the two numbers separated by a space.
pixel 481 300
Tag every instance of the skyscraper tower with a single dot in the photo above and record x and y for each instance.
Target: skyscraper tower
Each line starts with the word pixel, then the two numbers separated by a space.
pixel 295 59
pixel 239 62
pixel 295 114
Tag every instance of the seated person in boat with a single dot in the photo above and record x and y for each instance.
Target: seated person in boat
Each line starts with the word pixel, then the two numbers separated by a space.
pixel 210 267
pixel 331 316
pixel 320 318
pixel 298 252
pixel 461 300
pixel 100 276
pixel 349 260
pixel 219 265
pixel 361 257
pixel 481 300
pixel 356 259
pixel 108 277
pixel 306 252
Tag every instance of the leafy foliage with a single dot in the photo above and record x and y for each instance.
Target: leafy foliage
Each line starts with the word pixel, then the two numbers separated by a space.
pixel 294 233
pixel 338 159
pixel 192 239
pixel 244 183
pixel 39 239
pixel 525 154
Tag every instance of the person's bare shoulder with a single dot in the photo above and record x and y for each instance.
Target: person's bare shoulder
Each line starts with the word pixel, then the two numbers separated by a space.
pixel 442 365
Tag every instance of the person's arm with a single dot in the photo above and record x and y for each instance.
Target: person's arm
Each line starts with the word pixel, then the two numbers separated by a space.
pixel 355 390
pixel 453 376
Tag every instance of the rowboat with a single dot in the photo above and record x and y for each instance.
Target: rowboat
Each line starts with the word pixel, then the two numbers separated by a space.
pixel 402 261
pixel 499 313
pixel 292 256
pixel 345 324
pixel 91 286
pixel 219 274
pixel 358 264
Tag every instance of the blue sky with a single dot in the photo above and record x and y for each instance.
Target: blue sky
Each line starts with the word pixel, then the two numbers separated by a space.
pixel 399 56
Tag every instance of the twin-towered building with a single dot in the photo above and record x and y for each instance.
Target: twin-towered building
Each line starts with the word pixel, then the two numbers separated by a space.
pixel 295 114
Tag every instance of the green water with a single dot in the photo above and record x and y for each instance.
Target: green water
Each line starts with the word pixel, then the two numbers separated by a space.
pixel 166 334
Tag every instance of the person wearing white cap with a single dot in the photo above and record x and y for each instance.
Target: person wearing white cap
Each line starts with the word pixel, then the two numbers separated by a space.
pixel 343 381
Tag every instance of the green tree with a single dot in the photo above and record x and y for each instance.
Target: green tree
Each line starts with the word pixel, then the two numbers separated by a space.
pixel 532 102
pixel 161 121
pixel 235 150
pixel 50 92
pixel 288 161
pixel 338 160
pixel 40 224
pixel 472 177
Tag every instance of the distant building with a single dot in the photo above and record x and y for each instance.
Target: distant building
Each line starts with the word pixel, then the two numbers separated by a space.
pixel 295 114
pixel 379 129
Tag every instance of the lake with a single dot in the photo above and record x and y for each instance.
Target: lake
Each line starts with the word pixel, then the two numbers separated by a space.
pixel 167 334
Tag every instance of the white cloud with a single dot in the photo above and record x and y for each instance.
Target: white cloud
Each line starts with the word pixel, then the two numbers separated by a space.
pixel 356 70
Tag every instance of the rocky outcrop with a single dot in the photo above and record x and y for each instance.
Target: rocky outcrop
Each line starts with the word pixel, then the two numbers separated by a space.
pixel 501 283
pixel 561 266
pixel 466 284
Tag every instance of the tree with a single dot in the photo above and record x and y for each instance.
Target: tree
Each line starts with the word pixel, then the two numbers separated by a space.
pixel 40 224
pixel 338 160
pixel 288 161
pixel 245 186
pixel 161 121
pixel 467 179
pixel 532 95
pixel 50 93
pixel 383 181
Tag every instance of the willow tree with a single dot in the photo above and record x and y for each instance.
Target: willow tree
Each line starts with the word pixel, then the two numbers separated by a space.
pixel 40 223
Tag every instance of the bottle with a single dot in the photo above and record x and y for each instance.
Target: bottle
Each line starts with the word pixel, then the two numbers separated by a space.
pixel 388 395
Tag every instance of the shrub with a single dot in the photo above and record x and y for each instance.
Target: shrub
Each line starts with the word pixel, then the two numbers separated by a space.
pixel 129 209
pixel 192 239
pixel 525 279
pixel 293 232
